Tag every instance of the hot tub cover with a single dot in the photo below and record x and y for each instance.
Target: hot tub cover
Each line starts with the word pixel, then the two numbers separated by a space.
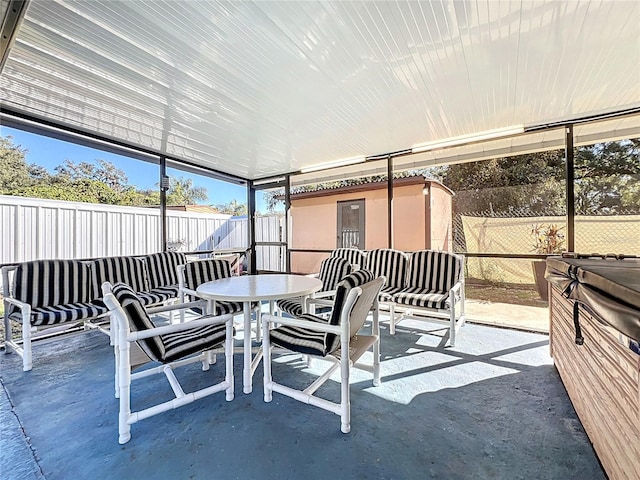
pixel 609 286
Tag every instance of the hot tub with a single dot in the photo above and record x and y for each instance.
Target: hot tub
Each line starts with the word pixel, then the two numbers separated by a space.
pixel 594 309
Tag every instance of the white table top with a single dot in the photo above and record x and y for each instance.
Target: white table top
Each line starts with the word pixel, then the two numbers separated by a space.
pixel 249 288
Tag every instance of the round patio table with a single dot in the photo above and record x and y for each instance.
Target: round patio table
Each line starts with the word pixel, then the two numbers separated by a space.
pixel 256 288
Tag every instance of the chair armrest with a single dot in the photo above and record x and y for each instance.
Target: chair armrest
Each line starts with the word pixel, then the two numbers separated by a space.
pixel 178 327
pixel 6 282
pixel 312 275
pixel 17 303
pixel 188 291
pixel 325 294
pixel 296 322
pixel 175 306
pixel 455 288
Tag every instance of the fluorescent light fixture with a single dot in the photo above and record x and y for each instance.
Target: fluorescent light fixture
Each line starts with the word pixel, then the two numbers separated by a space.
pixel 336 163
pixel 464 139
pixel 264 181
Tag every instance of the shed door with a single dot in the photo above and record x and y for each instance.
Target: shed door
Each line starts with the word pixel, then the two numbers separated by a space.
pixel 351 224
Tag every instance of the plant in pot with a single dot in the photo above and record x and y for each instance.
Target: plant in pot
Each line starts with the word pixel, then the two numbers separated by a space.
pixel 548 240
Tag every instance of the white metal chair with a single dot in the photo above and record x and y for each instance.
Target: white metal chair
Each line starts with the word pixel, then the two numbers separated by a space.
pixel 337 340
pixel 172 346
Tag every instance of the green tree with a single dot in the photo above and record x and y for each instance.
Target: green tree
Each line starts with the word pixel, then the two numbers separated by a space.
pixel 14 171
pixel 607 177
pixel 234 208
pixel 530 183
pixel 183 192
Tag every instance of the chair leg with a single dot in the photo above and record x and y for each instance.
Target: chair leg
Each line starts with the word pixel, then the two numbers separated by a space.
pixel 452 326
pixel 228 359
pixel 27 362
pixel 345 400
pixel 392 319
pixel 258 323
pixel 266 362
pixel 124 379
pixel 375 327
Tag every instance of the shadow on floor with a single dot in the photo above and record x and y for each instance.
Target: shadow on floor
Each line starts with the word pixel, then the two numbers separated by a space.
pixel 491 407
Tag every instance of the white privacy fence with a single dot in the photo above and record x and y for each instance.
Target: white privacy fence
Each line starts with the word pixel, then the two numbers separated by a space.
pixel 34 228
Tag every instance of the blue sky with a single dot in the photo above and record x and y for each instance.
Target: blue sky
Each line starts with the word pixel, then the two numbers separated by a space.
pixel 49 153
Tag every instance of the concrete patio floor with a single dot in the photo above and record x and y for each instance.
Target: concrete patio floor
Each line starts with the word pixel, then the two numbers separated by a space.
pixel 492 407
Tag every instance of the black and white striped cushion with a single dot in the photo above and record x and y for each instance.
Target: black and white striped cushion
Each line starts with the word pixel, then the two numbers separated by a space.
pixel 301 340
pixel 332 271
pixel 42 283
pixel 352 280
pixel 434 271
pixel 390 263
pixel 163 268
pixel 351 255
pixel 180 344
pixel 387 293
pixel 129 270
pixel 158 295
pixel 292 306
pixel 307 341
pixel 419 297
pixel 138 320
pixel 202 271
pixel 54 314
pixel 171 346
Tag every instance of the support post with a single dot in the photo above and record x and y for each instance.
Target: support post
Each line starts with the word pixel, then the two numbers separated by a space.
pixel 570 193
pixel 251 227
pixel 389 201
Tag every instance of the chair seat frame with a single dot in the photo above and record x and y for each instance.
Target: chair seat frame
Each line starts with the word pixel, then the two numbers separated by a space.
pixel 345 357
pixel 124 377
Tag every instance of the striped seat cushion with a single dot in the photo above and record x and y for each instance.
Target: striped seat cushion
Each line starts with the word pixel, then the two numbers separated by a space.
pixel 55 314
pixel 163 268
pixel 434 271
pixel 390 263
pixel 130 270
pixel 308 341
pixel 419 297
pixel 387 293
pixel 158 295
pixel 223 308
pixel 46 283
pixel 301 340
pixel 171 346
pixel 292 306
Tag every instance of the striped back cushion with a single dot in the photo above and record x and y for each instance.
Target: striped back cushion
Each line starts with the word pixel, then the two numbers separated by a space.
pixel 138 319
pixel 351 255
pixel 129 270
pixel 163 268
pixel 332 270
pixel 390 263
pixel 355 279
pixel 42 283
pixel 434 271
pixel 352 280
pixel 201 271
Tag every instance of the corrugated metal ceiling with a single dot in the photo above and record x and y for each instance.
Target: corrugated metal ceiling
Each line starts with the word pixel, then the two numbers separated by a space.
pixel 263 88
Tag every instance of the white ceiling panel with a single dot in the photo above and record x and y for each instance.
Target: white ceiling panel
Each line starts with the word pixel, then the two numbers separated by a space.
pixel 262 88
